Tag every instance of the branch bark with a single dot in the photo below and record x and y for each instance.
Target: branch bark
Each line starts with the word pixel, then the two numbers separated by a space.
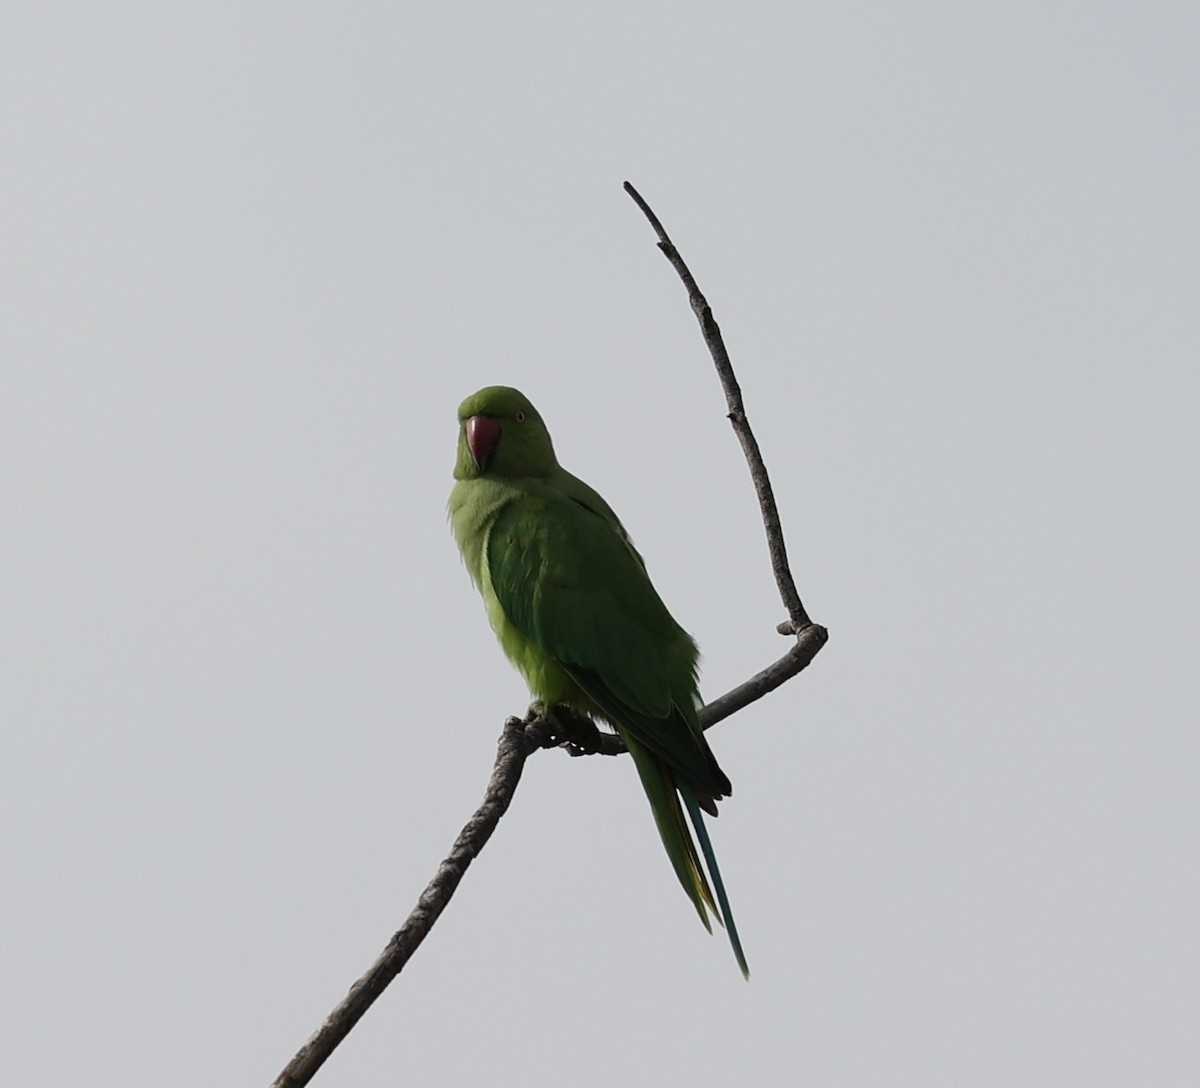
pixel 741 425
pixel 810 637
pixel 579 736
pixel 520 739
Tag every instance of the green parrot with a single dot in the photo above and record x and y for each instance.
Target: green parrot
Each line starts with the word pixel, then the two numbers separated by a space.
pixel 569 598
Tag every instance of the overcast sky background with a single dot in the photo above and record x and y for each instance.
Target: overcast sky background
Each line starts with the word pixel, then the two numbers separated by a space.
pixel 251 259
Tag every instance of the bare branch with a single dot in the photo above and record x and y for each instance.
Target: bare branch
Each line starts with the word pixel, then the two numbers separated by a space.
pixel 808 642
pixel 741 426
pixel 518 741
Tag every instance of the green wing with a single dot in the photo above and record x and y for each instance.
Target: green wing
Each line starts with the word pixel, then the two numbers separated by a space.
pixel 568 579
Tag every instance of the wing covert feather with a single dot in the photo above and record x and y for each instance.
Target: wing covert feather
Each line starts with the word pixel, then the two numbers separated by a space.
pixel 572 583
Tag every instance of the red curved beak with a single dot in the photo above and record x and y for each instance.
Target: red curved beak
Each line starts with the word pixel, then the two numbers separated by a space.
pixel 483 433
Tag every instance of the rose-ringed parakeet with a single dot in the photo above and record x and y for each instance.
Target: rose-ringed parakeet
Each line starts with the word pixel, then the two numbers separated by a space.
pixel 569 598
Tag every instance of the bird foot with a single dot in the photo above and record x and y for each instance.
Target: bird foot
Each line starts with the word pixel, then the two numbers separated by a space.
pixel 576 733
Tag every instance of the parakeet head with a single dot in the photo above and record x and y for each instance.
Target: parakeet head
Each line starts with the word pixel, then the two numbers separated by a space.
pixel 501 434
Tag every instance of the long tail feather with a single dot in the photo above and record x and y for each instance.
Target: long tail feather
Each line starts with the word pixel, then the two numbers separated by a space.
pixel 664 793
pixel 714 871
pixel 659 784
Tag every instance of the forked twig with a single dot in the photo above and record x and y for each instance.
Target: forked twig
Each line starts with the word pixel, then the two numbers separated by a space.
pixel 522 737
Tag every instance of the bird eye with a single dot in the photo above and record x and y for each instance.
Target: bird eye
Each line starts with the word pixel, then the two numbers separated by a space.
pixel 520 417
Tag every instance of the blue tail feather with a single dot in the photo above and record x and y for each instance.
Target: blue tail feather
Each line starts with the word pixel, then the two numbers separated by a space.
pixel 714 872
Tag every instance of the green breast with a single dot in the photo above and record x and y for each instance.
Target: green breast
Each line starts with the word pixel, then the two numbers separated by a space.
pixel 474 507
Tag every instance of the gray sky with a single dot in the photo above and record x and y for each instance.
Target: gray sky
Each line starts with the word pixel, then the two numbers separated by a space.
pixel 251 259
